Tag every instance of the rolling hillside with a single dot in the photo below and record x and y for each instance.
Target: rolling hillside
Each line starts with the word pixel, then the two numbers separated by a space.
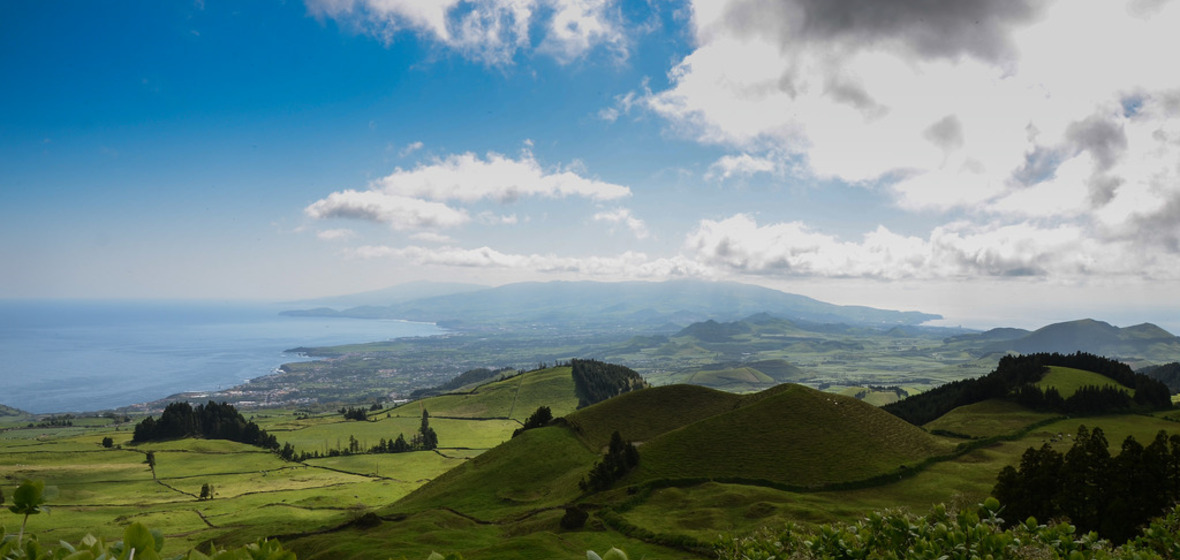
pixel 795 436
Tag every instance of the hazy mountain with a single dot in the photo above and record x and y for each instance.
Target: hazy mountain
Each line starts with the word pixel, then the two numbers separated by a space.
pixel 629 304
pixel 1146 341
pixel 389 296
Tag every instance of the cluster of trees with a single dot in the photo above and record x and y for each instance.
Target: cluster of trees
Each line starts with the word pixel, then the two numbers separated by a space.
pixel 538 419
pixel 358 413
pixel 1097 492
pixel 1168 374
pixel 425 439
pixel 1015 372
pixel 209 421
pixel 595 381
pixel 1087 401
pixel 620 458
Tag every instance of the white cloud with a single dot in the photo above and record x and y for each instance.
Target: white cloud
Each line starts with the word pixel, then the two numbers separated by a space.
pixel 626 265
pixel 467 177
pixel 1052 120
pixel 491 31
pixel 410 148
pixel 417 198
pixel 431 237
pixel 399 212
pixel 334 234
pixel 624 216
pixel 957 250
pixel 744 165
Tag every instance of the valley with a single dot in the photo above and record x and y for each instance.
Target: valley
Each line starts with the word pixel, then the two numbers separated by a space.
pixel 712 464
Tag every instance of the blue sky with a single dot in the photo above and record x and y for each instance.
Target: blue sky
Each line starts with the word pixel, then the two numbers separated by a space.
pixel 999 162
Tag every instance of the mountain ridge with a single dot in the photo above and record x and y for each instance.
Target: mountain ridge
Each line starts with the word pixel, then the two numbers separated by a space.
pixel 635 304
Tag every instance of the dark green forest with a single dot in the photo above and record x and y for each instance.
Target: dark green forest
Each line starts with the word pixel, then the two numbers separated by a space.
pixel 209 421
pixel 1013 379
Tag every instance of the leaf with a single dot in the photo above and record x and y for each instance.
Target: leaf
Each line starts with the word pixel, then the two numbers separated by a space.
pixel 28 497
pixel 139 538
pixel 591 555
pixel 615 554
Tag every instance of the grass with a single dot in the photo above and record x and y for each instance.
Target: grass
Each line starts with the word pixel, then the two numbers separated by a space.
pixel 987 418
pixel 516 397
pixel 1067 381
pixel 738 380
pixel 796 436
pixel 642 415
pixel 540 468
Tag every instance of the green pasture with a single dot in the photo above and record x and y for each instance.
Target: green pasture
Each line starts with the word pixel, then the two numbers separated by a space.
pixel 516 397
pixel 1067 381
pixel 992 417
pixel 452 433
pixel 540 468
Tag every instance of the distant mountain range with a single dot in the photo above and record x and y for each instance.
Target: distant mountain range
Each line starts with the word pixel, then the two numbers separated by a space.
pixel 1143 341
pixel 666 306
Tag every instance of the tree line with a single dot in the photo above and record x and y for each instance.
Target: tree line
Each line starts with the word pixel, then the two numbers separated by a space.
pixel 596 381
pixel 209 421
pixel 1014 372
pixel 1113 496
pixel 424 439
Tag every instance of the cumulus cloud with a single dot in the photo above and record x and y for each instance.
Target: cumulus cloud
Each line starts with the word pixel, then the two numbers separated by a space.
pixel 491 31
pixel 626 265
pixel 334 234
pixel 743 164
pixel 623 216
pixel 399 212
pixel 422 197
pixel 431 237
pixel 957 250
pixel 1020 117
pixel 468 177
pixel 410 148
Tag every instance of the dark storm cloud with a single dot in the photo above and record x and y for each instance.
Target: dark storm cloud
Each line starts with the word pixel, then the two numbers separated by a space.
pixel 851 93
pixel 1106 141
pixel 930 28
pixel 947 133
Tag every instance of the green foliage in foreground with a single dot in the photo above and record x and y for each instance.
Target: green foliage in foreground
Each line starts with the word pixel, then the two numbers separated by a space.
pixel 944 534
pixel 138 543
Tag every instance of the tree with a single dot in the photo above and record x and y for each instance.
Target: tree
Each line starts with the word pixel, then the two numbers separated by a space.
pixel 108 442
pixel 29 499
pixel 426 436
pixel 541 418
pixel 206 491
pixel 151 461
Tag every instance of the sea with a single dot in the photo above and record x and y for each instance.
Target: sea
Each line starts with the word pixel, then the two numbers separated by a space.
pixel 77 356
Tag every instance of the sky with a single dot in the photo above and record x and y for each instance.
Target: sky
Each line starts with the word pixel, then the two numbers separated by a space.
pixel 1000 162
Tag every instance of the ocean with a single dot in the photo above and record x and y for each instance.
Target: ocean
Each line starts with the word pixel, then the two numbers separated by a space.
pixel 59 356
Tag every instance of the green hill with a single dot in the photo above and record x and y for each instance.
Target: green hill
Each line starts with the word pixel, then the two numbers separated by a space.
pixel 1067 380
pixel 796 436
pixel 515 397
pixel 993 417
pixel 738 380
pixel 643 415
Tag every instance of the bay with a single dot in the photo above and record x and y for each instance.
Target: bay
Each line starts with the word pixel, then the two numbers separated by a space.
pixel 74 356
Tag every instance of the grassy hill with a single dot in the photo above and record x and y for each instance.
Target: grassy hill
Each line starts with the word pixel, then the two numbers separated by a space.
pixel 737 380
pixel 993 417
pixel 797 436
pixel 1067 380
pixel 515 397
